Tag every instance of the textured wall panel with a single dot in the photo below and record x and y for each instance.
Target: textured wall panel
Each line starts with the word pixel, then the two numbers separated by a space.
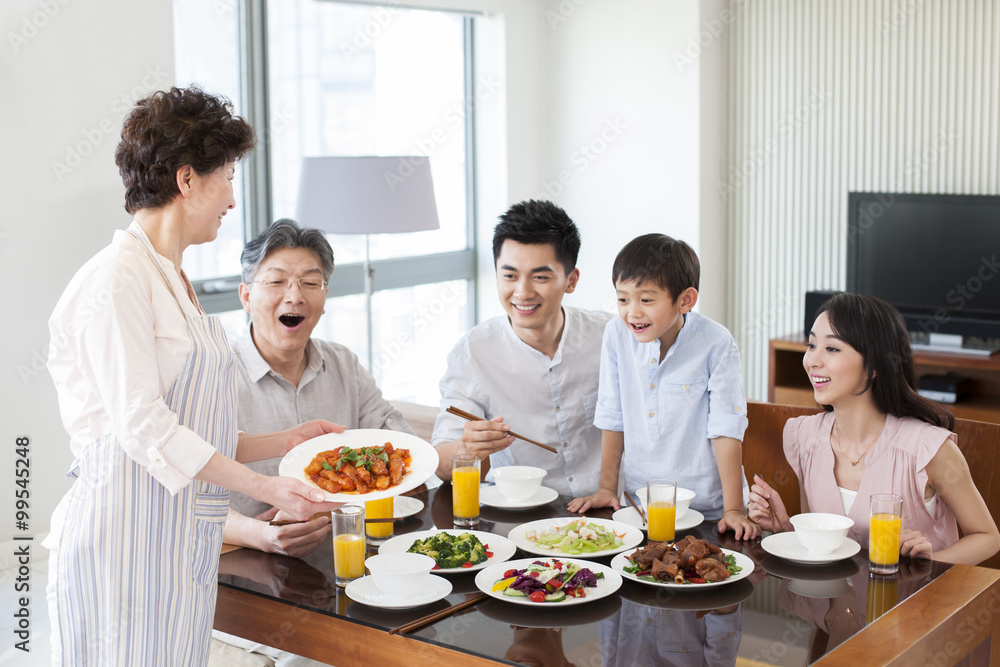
pixel 832 96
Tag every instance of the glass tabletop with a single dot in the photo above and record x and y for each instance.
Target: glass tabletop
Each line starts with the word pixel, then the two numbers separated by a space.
pixel 783 613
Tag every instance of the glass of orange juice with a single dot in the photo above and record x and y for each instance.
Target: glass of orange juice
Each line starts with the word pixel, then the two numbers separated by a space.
pixel 348 543
pixel 883 533
pixel 378 533
pixel 661 509
pixel 465 489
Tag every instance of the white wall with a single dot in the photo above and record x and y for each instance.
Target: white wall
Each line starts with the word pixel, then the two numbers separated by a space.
pixel 69 70
pixel 606 117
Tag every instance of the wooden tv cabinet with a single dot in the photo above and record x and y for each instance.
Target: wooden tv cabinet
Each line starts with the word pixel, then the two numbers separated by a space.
pixel 787 381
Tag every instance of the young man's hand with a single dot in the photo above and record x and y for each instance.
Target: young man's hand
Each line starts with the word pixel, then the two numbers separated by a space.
pixel 483 438
pixel 603 498
pixel 742 527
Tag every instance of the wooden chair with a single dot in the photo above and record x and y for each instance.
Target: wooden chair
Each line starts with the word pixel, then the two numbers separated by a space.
pixel 762 454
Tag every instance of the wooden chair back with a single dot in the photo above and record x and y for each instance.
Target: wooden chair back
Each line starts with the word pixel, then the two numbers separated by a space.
pixel 762 454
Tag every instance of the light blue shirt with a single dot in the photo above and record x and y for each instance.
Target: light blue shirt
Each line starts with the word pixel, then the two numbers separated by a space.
pixel 670 411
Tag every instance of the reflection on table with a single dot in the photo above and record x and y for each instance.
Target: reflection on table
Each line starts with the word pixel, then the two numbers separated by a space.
pixel 782 614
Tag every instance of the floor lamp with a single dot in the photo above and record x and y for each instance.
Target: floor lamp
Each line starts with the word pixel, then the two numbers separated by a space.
pixel 367 195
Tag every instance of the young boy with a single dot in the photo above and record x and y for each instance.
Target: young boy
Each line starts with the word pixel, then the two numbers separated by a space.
pixel 670 388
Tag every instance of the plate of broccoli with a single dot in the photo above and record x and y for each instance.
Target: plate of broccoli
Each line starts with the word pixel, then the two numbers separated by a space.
pixel 454 550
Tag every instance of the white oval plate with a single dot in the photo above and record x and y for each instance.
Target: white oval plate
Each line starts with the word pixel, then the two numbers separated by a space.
pixel 423 460
pixel 628 515
pixel 365 591
pixel 611 582
pixel 621 561
pixel 632 536
pixel 491 497
pixel 787 546
pixel 501 547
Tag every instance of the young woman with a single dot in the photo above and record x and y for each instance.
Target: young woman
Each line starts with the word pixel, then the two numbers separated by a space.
pixel 877 435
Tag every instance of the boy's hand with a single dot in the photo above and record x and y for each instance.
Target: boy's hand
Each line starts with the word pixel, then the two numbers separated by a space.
pixel 742 527
pixel 603 498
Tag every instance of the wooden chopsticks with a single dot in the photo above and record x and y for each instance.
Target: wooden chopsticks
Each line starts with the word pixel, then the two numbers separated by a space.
pixel 437 615
pixel 637 506
pixel 473 418
pixel 289 522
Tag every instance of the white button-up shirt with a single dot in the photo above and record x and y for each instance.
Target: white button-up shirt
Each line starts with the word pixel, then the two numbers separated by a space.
pixel 670 411
pixel 491 372
pixel 118 342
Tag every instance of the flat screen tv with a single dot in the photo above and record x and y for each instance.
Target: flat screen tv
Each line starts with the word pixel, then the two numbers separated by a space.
pixel 935 257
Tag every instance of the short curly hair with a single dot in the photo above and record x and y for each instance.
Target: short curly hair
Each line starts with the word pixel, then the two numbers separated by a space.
pixel 170 129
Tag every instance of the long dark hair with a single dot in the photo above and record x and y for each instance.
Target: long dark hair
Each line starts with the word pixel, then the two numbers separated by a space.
pixel 877 331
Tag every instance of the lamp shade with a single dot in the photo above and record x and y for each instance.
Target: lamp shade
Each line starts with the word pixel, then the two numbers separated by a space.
pixel 367 195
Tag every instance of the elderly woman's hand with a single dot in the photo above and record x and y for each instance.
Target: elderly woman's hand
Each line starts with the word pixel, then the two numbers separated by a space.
pixel 295 498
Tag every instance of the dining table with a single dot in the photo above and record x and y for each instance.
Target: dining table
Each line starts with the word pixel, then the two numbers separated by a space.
pixel 780 613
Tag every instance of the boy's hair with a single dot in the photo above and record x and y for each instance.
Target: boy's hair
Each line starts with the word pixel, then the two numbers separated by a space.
pixel 657 258
pixel 538 222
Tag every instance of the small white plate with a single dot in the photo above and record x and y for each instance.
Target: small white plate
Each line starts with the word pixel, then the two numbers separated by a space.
pixel 787 546
pixel 628 515
pixel 611 582
pixel 518 535
pixel 621 561
pixel 423 460
pixel 365 591
pixel 501 547
pixel 491 497
pixel 402 506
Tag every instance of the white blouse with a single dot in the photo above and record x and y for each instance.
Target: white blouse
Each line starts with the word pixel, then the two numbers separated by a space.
pixel 118 342
pixel 847 497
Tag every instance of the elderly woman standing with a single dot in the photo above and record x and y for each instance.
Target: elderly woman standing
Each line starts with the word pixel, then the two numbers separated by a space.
pixel 147 391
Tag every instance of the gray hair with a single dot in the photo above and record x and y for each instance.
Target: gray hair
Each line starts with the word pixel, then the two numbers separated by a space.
pixel 286 233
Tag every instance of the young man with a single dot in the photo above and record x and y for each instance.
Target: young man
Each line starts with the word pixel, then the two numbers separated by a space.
pixel 283 374
pixel 536 367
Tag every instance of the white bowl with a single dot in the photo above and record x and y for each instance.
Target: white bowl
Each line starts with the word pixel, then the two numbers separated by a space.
pixel 684 498
pixel 821 533
pixel 400 575
pixel 518 482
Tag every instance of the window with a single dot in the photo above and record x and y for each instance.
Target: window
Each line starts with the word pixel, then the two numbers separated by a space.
pixel 346 79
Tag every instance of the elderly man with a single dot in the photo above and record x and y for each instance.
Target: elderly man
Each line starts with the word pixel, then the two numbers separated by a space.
pixel 284 376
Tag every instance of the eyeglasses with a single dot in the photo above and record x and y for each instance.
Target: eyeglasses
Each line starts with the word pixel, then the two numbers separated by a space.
pixel 308 285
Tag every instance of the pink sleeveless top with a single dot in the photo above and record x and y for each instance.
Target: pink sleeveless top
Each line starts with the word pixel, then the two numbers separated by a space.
pixel 895 463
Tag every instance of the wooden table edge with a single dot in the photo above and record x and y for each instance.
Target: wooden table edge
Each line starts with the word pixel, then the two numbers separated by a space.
pixel 945 619
pixel 326 638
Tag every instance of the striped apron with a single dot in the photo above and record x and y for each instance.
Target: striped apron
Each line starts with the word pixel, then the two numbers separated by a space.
pixel 136 575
